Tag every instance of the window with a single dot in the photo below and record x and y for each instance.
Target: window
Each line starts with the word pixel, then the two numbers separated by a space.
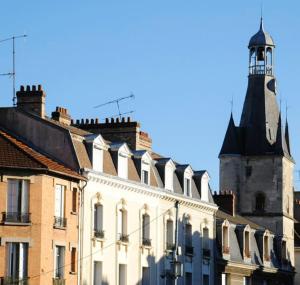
pixel 74 200
pixel 122 225
pixel 17 201
pixel 188 278
pixel 169 177
pixel 17 260
pixel 260 202
pixel 122 274
pixel 60 220
pixel 188 240
pixel 97 273
pixel 247 244
pixel 266 248
pixel 59 262
pixel 206 238
pixel 187 187
pixel 73 259
pixel 122 166
pixel 98 221
pixel 97 159
pixel 205 279
pixel 146 276
pixel 283 251
pixel 170 235
pixel 146 230
pixel 145 177
pixel 225 240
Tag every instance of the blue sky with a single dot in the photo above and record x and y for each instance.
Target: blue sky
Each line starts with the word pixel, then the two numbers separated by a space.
pixel 184 61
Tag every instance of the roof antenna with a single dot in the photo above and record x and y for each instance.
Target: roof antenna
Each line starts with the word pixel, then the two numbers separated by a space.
pixel 231 104
pixel 117 101
pixel 13 73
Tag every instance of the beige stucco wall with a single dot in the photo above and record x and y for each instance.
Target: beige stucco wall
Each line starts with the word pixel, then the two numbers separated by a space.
pixel 40 233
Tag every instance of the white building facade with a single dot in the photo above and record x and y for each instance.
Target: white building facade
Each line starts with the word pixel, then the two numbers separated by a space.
pixel 128 219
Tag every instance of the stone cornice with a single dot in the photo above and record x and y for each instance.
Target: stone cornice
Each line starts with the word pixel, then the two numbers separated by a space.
pixel 151 191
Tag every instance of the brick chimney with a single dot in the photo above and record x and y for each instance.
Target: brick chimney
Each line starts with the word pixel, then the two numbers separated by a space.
pixel 32 100
pixel 118 130
pixel 61 115
pixel 226 202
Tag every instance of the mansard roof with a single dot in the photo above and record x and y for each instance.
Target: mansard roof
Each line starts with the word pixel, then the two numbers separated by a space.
pixel 15 154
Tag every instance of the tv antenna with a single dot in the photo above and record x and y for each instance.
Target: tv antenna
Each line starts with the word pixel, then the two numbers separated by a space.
pixel 117 101
pixel 13 73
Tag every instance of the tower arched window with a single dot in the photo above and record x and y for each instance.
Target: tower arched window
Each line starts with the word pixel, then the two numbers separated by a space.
pixel 260 202
pixel 269 62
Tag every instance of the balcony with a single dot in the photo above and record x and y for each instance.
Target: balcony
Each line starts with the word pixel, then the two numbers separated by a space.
pixel 189 250
pixel 146 242
pixel 170 246
pixel 16 217
pixel 15 281
pixel 60 222
pixel 206 253
pixel 59 281
pixel 123 238
pixel 98 233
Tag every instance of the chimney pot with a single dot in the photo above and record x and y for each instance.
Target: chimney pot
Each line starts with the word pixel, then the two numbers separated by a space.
pixel 77 122
pixel 97 121
pixel 92 121
pixel 123 120
pixel 33 88
pixel 106 120
pixel 28 88
pixel 40 87
pixel 22 88
pixel 117 120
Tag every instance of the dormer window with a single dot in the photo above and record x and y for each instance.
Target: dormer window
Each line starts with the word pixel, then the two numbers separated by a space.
pixel 96 146
pixel 247 244
pixel 187 187
pixel 145 177
pixel 122 166
pixel 225 236
pixel 169 172
pixel 266 248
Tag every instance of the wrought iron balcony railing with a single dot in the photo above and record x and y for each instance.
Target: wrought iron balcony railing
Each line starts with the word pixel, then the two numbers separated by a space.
pixel 146 241
pixel 14 281
pixel 189 250
pixel 98 233
pixel 170 246
pixel 16 217
pixel 60 222
pixel 123 238
pixel 59 281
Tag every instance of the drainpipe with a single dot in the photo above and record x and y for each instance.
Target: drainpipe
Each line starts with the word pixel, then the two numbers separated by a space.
pixel 81 215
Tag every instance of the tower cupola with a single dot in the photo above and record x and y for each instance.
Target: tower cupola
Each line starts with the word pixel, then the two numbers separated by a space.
pixel 261 46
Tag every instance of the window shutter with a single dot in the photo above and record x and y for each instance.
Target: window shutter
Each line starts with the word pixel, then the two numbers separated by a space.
pixel 25 196
pixel 12 203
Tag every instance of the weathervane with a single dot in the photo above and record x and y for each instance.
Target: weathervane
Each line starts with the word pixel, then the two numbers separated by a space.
pixel 13 73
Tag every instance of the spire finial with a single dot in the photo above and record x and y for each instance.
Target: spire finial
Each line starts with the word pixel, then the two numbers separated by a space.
pixel 261 17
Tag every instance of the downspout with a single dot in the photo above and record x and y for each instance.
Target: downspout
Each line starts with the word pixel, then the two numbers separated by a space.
pixel 81 216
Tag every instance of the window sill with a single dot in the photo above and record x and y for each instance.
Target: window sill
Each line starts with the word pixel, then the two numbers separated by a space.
pixel 72 273
pixel 59 228
pixel 146 246
pixel 98 238
pixel 74 213
pixel 17 224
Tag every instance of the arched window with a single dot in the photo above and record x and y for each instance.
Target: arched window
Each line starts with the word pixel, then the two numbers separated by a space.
pixel 260 201
pixel 122 225
pixel 98 221
pixel 146 230
pixel 170 235
pixel 269 62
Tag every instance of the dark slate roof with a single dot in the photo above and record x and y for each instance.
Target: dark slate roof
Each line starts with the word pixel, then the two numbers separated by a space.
pixel 261 38
pixel 231 144
pixel 260 129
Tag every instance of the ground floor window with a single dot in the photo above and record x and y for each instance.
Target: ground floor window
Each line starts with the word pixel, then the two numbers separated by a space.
pixel 146 276
pixel 122 274
pixel 17 260
pixel 97 273
pixel 188 278
pixel 59 262
pixel 205 279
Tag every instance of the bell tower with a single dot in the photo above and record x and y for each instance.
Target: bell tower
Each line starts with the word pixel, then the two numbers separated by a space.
pixel 255 158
